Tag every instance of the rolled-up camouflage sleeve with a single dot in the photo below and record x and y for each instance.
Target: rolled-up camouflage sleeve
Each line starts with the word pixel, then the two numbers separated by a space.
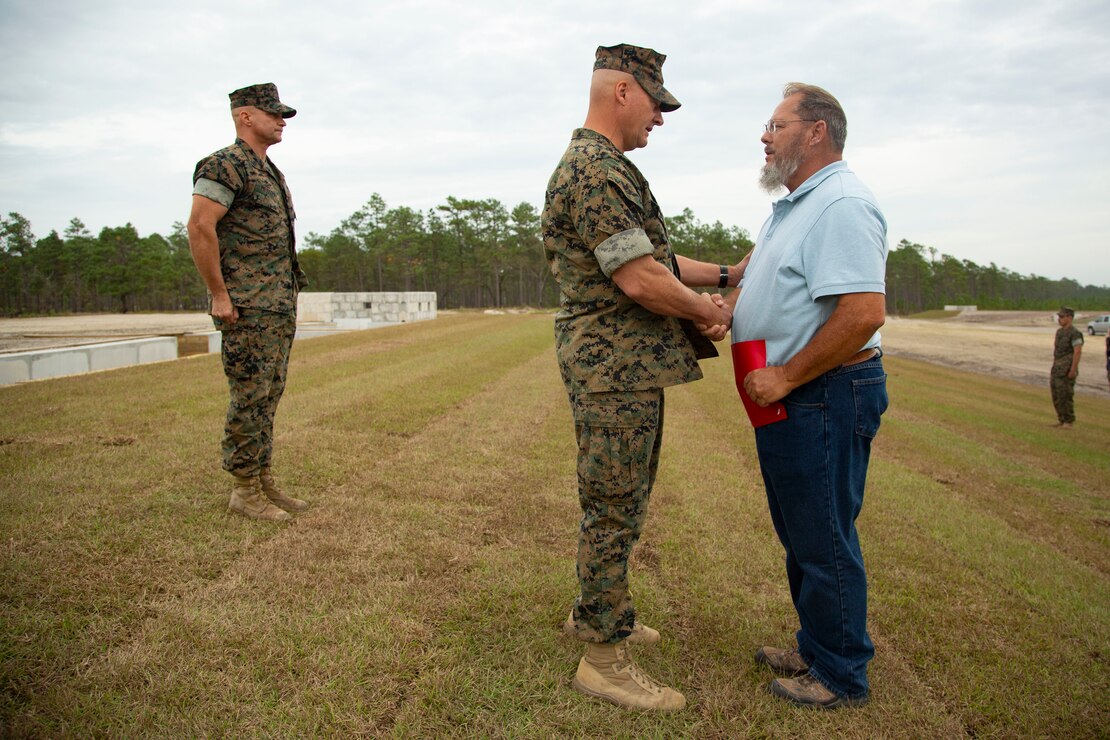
pixel 606 203
pixel 622 248
pixel 218 171
pixel 214 191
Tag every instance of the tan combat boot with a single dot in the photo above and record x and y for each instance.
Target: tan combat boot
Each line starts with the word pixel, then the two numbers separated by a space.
pixel 247 499
pixel 641 633
pixel 607 672
pixel 276 496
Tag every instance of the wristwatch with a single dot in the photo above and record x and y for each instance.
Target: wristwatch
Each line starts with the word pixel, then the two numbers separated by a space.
pixel 724 277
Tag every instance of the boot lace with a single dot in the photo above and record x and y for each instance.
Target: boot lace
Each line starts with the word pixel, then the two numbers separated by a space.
pixel 642 679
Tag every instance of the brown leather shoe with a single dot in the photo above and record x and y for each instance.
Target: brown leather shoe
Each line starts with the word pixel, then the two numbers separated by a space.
pixel 783 662
pixel 641 633
pixel 809 692
pixel 277 496
pixel 607 672
pixel 247 499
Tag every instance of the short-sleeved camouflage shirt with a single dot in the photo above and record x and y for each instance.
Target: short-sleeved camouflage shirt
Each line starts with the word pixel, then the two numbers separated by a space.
pixel 599 214
pixel 258 258
pixel 1064 348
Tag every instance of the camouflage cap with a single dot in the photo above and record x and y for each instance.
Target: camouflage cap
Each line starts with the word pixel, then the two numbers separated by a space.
pixel 646 65
pixel 1066 311
pixel 263 96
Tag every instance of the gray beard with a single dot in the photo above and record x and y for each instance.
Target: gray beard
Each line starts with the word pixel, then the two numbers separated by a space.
pixel 774 175
pixel 770 179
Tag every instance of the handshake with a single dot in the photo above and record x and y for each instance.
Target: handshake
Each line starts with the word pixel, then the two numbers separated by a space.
pixel 720 310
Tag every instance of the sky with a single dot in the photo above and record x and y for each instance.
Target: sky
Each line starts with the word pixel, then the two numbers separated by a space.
pixel 977 124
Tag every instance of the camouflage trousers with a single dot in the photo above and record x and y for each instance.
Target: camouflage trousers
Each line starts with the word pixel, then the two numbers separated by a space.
pixel 1063 394
pixel 255 353
pixel 619 437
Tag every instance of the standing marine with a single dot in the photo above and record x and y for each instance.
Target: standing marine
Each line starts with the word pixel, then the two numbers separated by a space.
pixel 242 240
pixel 625 331
pixel 1065 367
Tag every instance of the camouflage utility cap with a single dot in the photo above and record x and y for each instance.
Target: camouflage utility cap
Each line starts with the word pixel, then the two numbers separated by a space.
pixel 646 65
pixel 263 97
pixel 1065 311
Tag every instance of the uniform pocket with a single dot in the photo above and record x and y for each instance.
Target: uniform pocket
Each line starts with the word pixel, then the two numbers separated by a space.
pixel 241 350
pixel 615 443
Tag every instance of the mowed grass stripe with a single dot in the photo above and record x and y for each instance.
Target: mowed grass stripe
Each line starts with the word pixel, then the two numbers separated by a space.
pixel 422 596
pixel 410 534
pixel 1000 463
pixel 108 534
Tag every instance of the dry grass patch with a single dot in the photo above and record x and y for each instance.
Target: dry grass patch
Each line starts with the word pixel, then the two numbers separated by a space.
pixel 422 594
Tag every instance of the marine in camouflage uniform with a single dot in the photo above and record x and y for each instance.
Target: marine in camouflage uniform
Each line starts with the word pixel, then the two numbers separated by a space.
pixel 615 353
pixel 253 299
pixel 615 357
pixel 1065 356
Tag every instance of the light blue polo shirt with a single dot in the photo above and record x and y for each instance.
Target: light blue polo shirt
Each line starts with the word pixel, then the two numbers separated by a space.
pixel 825 239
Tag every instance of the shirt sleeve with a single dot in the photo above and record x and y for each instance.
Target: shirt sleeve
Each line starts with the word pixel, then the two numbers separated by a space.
pixel 845 251
pixel 220 170
pixel 610 219
pixel 214 191
pixel 620 249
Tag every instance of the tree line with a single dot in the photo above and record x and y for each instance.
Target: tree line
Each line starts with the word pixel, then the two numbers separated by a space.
pixel 471 253
pixel 915 283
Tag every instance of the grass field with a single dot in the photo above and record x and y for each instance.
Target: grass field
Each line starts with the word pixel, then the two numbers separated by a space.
pixel 422 595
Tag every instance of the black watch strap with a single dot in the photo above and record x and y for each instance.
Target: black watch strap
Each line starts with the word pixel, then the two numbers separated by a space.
pixel 724 277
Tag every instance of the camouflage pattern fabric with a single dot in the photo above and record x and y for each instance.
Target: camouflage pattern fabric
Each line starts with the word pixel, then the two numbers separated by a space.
pixel 1063 387
pixel 255 352
pixel 1063 397
pixel 1066 342
pixel 615 357
pixel 604 340
pixel 619 437
pixel 258 258
pixel 645 65
pixel 263 96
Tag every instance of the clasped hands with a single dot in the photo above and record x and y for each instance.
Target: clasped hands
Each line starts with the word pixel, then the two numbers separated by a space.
pixel 765 385
pixel 717 330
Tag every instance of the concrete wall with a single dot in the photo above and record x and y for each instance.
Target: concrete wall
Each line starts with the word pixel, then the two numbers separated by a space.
pixel 51 363
pixel 363 308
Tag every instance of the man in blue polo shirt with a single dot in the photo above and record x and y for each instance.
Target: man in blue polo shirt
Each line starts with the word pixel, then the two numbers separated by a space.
pixel 815 291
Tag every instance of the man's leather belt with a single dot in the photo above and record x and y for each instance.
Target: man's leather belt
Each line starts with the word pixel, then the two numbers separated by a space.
pixel 861 356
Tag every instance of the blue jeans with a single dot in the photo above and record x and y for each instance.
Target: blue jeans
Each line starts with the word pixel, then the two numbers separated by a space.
pixel 814 467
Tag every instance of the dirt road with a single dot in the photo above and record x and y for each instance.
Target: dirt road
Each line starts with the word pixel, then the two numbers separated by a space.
pixel 1010 344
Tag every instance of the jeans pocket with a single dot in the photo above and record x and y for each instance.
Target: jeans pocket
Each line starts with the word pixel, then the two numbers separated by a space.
pixel 869 395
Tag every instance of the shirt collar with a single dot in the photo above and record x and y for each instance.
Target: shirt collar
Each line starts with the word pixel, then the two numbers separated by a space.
pixel 816 179
pixel 589 133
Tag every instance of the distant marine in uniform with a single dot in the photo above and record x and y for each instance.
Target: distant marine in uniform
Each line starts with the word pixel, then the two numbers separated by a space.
pixel 1065 367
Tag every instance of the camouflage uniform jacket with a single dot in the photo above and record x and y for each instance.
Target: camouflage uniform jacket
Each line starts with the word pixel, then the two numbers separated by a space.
pixel 1066 342
pixel 599 214
pixel 258 256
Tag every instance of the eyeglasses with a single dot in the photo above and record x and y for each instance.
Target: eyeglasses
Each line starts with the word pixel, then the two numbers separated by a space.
pixel 773 126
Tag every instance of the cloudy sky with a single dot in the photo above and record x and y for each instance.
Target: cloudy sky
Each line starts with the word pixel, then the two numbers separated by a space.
pixel 978 123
